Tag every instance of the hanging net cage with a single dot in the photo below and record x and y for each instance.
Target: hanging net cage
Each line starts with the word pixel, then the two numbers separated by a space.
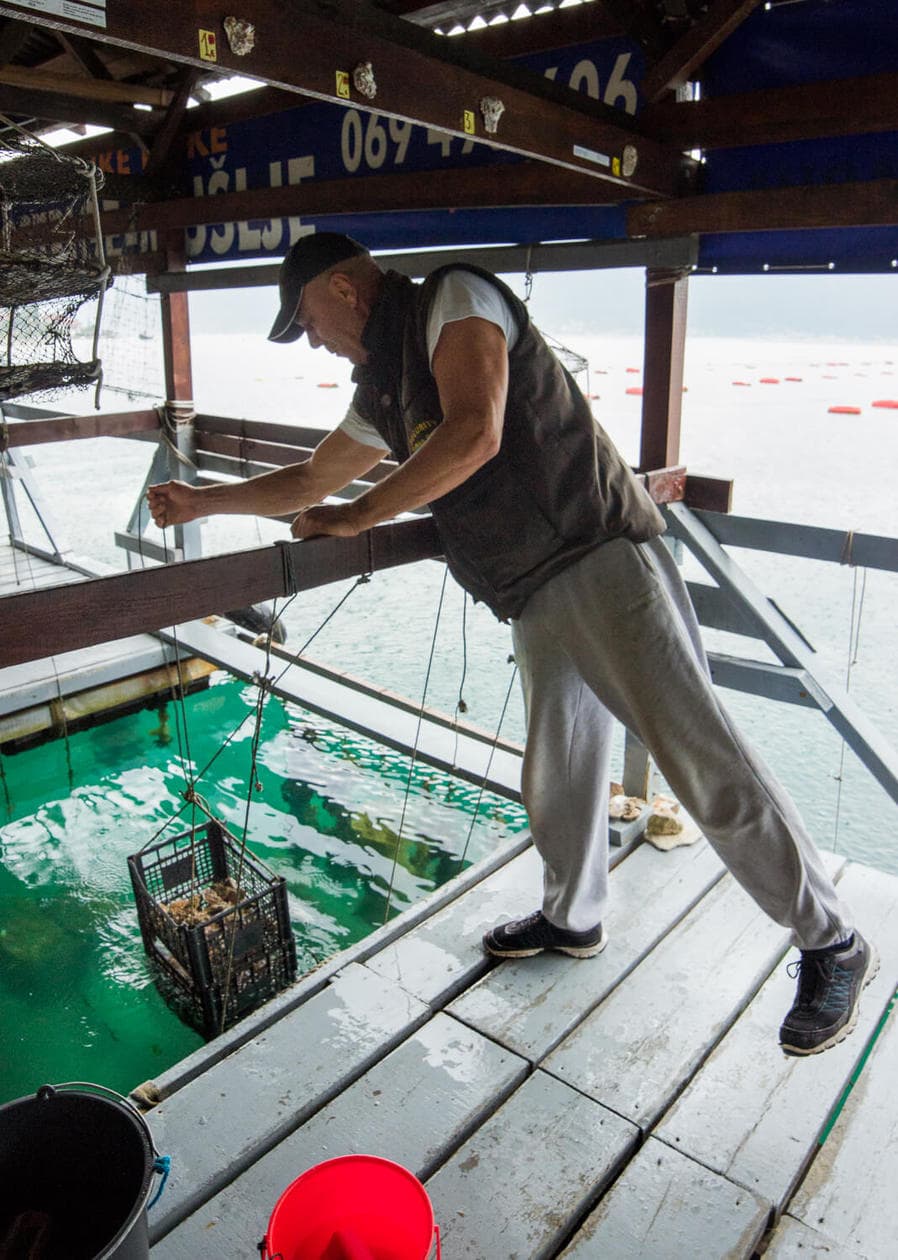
pixel 51 264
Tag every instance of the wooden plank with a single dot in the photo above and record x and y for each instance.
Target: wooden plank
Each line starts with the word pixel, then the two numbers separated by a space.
pixel 808 111
pixel 444 954
pixel 839 546
pixel 240 1108
pixel 754 1114
pixel 257 430
pixel 793 1240
pixel 502 259
pixel 637 1050
pixel 82 87
pixel 665 340
pixel 460 754
pixel 419 82
pixel 70 428
pixel 849 1192
pixel 870 204
pixel 528 184
pixel 516 1187
pixel 783 683
pixel 531 1004
pixel 713 493
pixel 22 686
pixel 42 623
pixel 665 1205
pixel 413 1107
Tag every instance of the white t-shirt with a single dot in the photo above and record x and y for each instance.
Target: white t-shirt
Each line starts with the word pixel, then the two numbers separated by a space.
pixel 459 295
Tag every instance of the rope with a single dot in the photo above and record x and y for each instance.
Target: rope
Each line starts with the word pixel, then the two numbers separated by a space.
pixel 854 638
pixel 161 1164
pixel 408 781
pixel 486 773
pixel 460 704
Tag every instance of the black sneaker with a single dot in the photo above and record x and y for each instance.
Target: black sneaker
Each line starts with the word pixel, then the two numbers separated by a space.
pixel 829 989
pixel 522 938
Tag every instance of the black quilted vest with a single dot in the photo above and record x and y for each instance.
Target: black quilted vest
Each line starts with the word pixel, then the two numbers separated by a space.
pixel 557 487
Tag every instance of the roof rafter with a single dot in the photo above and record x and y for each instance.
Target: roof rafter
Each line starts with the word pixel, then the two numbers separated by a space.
pixel 415 82
pixel 806 112
pixel 694 48
pixel 870 204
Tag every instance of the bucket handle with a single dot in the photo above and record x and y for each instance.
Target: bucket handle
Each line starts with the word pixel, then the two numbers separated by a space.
pixel 161 1163
pixel 263 1245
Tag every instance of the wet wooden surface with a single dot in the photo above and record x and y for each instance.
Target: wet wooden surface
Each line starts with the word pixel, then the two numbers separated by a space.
pixel 631 1105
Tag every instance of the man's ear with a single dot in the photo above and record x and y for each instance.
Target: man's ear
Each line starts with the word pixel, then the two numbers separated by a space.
pixel 343 289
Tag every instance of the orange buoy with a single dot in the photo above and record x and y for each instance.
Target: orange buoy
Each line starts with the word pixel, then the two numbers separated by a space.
pixel 844 411
pixel 891 403
pixel 634 389
pixel 327 385
pixel 746 383
pixel 633 369
pixel 770 380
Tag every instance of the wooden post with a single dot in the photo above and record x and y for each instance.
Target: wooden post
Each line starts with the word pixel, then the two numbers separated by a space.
pixel 665 342
pixel 176 330
pixel 179 407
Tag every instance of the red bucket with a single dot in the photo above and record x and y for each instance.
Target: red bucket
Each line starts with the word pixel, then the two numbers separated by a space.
pixel 355 1207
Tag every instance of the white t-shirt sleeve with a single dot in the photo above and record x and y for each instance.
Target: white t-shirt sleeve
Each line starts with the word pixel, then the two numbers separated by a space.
pixel 461 295
pixel 355 426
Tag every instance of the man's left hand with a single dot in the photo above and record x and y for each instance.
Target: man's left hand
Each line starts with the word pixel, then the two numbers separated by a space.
pixel 340 520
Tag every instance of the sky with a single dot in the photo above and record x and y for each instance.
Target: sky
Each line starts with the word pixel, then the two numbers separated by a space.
pixel 829 307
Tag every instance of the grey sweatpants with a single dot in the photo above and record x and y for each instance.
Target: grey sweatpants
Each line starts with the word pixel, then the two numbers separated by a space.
pixel 615 636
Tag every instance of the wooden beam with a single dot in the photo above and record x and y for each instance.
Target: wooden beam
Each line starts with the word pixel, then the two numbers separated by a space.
pixel 518 185
pixel 695 47
pixel 665 344
pixel 66 110
pixel 82 51
pixel 714 494
pixel 872 204
pixel 176 330
pixel 83 88
pixel 70 428
pixel 60 619
pixel 840 107
pixel 160 151
pixel 421 84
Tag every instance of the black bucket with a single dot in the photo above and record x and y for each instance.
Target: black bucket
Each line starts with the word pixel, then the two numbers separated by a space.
pixel 76 1170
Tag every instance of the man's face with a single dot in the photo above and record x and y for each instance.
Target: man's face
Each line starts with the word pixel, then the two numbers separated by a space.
pixel 332 317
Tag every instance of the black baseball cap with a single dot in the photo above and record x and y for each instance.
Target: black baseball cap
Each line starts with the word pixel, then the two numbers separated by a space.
pixel 307 259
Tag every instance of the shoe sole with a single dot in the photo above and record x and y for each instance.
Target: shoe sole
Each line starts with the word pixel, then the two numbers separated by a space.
pixel 847 1028
pixel 573 951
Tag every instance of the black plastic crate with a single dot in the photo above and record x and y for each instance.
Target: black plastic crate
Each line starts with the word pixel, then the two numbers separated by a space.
pixel 227 951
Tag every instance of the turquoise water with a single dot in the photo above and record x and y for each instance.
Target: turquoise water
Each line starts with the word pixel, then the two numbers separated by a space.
pixel 77 994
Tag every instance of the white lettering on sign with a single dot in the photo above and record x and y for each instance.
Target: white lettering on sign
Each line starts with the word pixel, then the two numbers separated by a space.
pixel 620 92
pixel 267 234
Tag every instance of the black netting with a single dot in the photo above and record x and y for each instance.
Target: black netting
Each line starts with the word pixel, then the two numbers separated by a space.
pixel 51 264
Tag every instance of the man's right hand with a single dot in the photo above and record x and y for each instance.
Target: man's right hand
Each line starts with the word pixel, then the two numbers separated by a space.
pixel 174 503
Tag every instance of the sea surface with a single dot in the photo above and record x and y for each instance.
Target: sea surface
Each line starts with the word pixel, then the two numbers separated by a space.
pixel 74 810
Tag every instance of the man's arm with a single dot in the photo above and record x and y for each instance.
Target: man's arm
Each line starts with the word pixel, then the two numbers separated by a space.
pixel 470 366
pixel 335 462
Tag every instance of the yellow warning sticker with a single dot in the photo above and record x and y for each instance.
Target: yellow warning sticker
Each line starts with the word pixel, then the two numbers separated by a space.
pixel 470 122
pixel 208 46
pixel 343 84
pixel 615 166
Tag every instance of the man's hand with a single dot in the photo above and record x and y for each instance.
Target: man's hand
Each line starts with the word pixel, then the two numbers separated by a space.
pixel 341 520
pixel 174 503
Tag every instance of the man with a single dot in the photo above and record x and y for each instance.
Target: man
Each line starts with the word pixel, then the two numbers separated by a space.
pixel 541 519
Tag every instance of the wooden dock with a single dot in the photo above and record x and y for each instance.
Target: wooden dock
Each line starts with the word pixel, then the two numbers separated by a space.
pixel 631 1105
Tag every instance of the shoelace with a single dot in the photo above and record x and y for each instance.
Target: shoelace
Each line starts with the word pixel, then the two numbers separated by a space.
pixel 816 979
